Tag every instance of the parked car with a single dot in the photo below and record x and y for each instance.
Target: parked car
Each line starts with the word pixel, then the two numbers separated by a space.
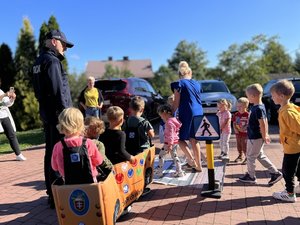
pixel 211 92
pixel 119 92
pixel 271 107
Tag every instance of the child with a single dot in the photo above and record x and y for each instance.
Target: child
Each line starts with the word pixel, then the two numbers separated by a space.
pixel 75 157
pixel 257 136
pixel 289 131
pixel 172 126
pixel 224 115
pixel 94 127
pixel 114 138
pixel 138 130
pixel 240 123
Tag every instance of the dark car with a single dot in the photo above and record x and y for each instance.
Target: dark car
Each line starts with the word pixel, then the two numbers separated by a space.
pixel 118 92
pixel 212 91
pixel 271 107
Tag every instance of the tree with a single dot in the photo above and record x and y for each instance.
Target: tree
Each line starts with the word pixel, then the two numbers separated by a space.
pixel 7 67
pixel 194 56
pixel 275 59
pixel 26 105
pixel 45 28
pixel 77 84
pixel 115 72
pixel 242 64
pixel 162 80
pixel 297 63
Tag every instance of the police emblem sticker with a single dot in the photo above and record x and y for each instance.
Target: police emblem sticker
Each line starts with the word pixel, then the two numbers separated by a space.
pixel 79 202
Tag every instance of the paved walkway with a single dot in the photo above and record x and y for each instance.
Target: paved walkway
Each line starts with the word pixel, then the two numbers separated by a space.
pixel 23 198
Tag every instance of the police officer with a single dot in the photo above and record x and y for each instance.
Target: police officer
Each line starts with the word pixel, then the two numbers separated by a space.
pixel 53 94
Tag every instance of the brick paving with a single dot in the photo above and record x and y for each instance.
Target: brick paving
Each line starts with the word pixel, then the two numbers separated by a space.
pixel 23 199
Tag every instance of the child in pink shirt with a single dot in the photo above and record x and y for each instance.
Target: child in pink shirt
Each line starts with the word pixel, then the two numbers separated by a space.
pixel 224 115
pixel 76 149
pixel 171 137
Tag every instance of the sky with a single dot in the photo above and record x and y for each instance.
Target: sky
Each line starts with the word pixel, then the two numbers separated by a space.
pixel 152 29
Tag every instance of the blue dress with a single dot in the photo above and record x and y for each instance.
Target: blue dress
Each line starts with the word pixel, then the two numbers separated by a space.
pixel 189 105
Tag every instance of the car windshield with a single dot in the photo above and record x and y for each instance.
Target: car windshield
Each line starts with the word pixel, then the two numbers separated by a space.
pixel 110 86
pixel 213 87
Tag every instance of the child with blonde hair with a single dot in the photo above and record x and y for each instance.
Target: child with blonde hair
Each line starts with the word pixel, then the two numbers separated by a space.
pixel 240 123
pixel 258 135
pixel 75 157
pixel 224 116
pixel 171 137
pixel 289 133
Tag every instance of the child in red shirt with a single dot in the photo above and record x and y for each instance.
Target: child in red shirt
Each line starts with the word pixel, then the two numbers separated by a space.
pixel 240 123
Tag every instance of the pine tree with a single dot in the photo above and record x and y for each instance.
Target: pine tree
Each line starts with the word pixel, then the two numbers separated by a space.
pixel 26 105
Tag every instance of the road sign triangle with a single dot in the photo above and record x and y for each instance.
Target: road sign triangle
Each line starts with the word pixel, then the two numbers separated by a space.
pixel 206 129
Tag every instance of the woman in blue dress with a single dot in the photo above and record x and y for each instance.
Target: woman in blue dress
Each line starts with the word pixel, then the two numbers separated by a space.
pixel 188 102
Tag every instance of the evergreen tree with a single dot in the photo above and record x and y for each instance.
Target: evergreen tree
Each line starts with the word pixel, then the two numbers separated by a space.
pixel 7 67
pixel 26 105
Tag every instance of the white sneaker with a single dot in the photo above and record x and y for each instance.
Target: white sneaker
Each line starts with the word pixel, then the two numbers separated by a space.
pixel 179 174
pixel 20 157
pixel 159 173
pixel 284 196
pixel 297 189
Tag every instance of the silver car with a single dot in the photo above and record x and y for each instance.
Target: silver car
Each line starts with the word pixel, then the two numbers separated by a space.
pixel 211 92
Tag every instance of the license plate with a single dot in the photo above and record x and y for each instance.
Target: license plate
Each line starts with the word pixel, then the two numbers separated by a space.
pixel 106 102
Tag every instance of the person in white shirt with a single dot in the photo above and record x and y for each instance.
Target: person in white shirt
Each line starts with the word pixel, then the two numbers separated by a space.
pixel 7 123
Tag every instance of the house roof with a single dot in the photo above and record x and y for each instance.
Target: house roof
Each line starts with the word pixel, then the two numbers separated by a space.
pixel 139 68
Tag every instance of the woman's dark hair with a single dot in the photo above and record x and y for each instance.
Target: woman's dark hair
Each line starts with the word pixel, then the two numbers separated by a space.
pixel 164 109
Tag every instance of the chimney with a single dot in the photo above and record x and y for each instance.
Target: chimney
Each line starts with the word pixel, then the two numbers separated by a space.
pixel 125 58
pixel 110 58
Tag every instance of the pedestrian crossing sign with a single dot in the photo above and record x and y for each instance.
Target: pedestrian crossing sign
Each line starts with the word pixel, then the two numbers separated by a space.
pixel 206 127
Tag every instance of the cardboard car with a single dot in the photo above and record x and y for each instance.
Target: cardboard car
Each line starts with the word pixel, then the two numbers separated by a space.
pixel 104 202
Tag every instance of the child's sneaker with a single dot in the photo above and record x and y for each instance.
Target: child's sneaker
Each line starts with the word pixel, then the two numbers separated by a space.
pixel 238 159
pixel 297 189
pixel 244 162
pixel 247 179
pixel 285 196
pixel 179 174
pixel 20 157
pixel 221 155
pixel 225 157
pixel 275 177
pixel 159 173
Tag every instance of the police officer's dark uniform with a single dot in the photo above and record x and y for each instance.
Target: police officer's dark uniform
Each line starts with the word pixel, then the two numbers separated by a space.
pixel 53 94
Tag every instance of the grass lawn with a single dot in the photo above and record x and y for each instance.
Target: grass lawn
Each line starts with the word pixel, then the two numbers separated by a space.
pixel 26 139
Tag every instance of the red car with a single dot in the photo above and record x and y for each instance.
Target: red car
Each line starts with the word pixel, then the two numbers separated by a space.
pixel 118 92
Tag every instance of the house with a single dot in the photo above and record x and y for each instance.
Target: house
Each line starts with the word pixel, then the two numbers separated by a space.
pixel 139 68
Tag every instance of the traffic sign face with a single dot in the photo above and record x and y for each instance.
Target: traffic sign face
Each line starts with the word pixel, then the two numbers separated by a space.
pixel 206 127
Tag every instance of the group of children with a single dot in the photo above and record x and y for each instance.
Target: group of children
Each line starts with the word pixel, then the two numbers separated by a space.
pixel 251 131
pixel 87 140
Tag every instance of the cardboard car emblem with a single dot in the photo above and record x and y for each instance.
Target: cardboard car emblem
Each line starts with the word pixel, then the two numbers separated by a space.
pixel 79 202
pixel 119 178
pixel 130 173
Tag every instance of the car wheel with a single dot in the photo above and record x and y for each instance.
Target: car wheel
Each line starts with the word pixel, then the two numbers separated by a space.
pixel 116 212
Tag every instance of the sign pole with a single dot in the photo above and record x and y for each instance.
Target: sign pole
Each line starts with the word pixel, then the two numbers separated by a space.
pixel 213 188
